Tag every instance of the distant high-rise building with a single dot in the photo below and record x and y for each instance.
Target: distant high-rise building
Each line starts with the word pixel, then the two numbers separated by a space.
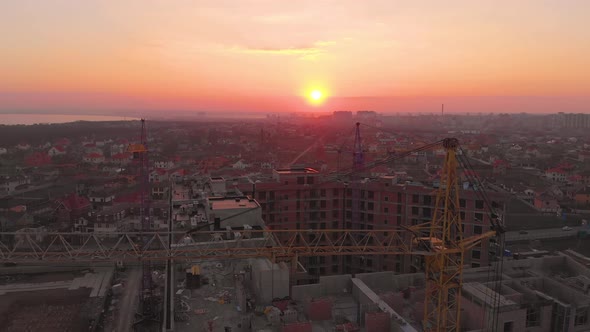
pixel 342 116
pixel 573 120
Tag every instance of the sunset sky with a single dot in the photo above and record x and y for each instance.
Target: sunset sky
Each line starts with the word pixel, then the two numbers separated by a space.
pixel 102 55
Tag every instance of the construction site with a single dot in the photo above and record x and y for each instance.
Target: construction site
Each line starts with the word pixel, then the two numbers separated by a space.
pixel 547 293
pixel 215 265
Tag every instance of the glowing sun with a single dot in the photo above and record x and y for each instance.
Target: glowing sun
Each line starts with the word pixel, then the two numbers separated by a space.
pixel 316 96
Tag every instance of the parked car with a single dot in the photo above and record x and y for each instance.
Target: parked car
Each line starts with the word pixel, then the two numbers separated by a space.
pixel 566 228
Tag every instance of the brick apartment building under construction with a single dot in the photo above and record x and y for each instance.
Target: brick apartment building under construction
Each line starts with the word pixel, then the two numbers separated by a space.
pixel 304 199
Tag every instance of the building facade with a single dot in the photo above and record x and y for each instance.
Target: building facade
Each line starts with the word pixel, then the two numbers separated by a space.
pixel 303 199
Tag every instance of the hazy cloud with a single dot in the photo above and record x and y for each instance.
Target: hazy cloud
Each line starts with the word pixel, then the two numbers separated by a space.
pixel 305 52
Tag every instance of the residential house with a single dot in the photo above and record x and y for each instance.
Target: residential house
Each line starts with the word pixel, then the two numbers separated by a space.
pixel 89 145
pixel 160 189
pixel 120 146
pixel 500 166
pixel 575 179
pixel 8 185
pixel 240 164
pixel 83 225
pixel 101 198
pixel 121 158
pixel 92 148
pixel 111 219
pixel 62 141
pixel 23 146
pixel 37 159
pixel 572 190
pixel 179 175
pixel 546 203
pixel 556 174
pixel 164 164
pixel 213 163
pixel 180 193
pixel 101 143
pixel 71 207
pixel 267 165
pixel 56 150
pixel 158 175
pixel 94 158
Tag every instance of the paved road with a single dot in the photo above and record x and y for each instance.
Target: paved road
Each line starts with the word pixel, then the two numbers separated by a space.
pixel 128 302
pixel 541 234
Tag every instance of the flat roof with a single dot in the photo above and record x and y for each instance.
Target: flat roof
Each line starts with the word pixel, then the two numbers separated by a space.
pixel 486 295
pixel 232 203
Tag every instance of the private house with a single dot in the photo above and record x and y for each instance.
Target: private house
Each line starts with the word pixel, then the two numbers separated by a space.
pixel 93 158
pixel 37 159
pixel 71 208
pixel 57 150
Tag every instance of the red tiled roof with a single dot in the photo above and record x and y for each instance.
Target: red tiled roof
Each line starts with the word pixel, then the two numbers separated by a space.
pixel 576 177
pixel 161 171
pixel 59 148
pixel 38 159
pixel 74 202
pixel 62 141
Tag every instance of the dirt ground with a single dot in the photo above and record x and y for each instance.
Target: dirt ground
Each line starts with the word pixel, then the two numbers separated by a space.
pixel 47 311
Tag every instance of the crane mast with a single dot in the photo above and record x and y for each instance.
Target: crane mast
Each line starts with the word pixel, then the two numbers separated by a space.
pixel 148 310
pixel 444 268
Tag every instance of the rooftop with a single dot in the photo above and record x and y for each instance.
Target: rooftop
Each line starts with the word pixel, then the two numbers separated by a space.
pixel 232 203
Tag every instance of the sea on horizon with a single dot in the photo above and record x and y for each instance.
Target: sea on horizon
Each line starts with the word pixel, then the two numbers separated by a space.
pixel 30 119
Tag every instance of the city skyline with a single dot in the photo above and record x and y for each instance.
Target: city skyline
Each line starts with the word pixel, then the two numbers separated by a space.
pixel 94 57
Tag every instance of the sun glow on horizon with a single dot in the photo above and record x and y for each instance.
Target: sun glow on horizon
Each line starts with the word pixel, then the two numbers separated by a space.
pixel 316 96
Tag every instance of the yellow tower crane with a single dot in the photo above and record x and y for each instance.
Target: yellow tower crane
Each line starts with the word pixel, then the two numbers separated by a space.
pixel 447 247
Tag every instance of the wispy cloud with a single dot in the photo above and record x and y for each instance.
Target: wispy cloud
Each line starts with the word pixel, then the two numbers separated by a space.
pixel 279 51
pixel 306 52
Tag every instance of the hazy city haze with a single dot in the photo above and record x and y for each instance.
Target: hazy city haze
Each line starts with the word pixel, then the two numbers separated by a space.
pixel 265 55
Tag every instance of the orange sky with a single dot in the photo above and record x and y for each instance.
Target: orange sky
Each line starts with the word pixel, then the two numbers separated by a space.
pixel 263 54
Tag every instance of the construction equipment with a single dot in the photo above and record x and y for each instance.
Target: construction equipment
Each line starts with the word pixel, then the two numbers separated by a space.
pixel 148 302
pixel 440 242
